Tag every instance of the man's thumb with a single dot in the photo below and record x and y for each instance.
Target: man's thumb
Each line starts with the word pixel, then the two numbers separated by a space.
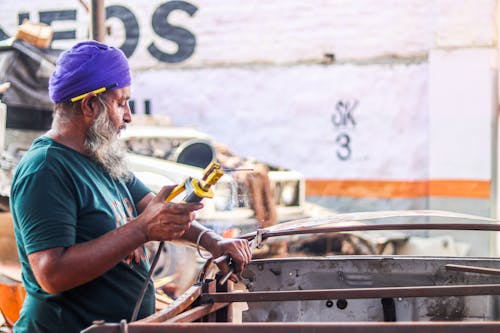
pixel 165 192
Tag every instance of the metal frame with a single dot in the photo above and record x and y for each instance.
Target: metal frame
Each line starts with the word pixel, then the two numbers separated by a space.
pixel 373 227
pixel 352 293
pixel 418 327
pixel 210 301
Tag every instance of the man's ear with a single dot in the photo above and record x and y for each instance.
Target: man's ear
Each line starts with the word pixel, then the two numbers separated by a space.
pixel 89 106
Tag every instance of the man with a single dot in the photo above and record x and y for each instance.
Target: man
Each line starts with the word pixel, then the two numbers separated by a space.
pixel 80 217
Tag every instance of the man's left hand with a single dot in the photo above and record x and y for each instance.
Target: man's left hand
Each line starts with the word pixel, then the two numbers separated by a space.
pixel 238 250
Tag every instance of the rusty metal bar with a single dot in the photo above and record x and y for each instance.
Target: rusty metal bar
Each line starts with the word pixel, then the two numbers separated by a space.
pixel 314 327
pixel 381 226
pixel 196 313
pixel 208 287
pixel 472 269
pixel 179 305
pixel 97 19
pixel 353 293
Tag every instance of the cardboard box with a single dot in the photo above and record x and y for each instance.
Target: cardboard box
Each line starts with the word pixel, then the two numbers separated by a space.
pixel 38 34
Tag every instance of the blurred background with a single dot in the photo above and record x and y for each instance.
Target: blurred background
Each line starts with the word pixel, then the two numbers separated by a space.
pixel 378 104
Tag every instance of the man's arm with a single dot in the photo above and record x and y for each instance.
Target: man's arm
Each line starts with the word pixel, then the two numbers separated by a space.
pixel 237 249
pixel 60 269
pixel 144 202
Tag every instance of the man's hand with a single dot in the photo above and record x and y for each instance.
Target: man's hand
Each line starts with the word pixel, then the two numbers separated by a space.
pixel 238 250
pixel 163 220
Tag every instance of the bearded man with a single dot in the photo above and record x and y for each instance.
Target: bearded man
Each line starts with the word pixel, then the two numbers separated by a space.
pixel 81 217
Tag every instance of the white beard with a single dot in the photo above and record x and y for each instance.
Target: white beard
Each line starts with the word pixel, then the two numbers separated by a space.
pixel 104 147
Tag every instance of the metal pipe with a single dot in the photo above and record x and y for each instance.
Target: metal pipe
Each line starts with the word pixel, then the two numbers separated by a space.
pixel 472 269
pixel 386 226
pixel 354 327
pixel 97 20
pixel 352 293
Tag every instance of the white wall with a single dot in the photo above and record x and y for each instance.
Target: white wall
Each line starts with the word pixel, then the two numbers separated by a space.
pixel 292 116
pixel 462 104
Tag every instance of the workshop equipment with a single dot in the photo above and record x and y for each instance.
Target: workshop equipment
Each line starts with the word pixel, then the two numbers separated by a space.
pixel 196 189
pixel 342 293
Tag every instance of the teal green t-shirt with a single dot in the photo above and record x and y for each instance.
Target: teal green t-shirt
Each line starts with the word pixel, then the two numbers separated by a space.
pixel 60 198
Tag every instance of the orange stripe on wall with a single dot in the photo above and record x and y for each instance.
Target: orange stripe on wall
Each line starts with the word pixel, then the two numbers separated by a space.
pixel 398 189
pixel 460 188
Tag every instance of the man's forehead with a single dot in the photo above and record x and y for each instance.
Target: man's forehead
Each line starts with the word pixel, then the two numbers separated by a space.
pixel 121 93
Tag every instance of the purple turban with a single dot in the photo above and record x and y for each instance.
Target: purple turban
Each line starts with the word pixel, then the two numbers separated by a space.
pixel 88 66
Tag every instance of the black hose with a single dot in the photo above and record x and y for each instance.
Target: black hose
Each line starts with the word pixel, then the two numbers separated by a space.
pixel 138 304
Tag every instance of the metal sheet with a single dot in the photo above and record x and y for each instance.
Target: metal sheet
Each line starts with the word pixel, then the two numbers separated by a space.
pixel 354 272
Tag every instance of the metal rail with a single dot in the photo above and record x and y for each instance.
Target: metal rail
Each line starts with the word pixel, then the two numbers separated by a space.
pixel 472 269
pixel 382 226
pixel 315 327
pixel 352 293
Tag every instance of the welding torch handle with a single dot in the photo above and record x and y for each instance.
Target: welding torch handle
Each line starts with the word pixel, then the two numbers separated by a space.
pixel 175 192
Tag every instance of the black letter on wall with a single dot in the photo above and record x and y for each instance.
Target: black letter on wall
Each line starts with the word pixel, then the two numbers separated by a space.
pixel 184 38
pixel 22 16
pixel 48 17
pixel 3 35
pixel 131 27
pixel 20 19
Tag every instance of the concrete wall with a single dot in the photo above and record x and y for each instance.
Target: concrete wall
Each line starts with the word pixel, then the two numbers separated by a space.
pixel 381 104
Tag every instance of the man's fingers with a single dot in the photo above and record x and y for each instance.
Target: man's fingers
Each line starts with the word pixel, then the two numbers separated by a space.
pixel 178 227
pixel 184 207
pixel 245 249
pixel 242 251
pixel 178 219
pixel 238 261
pixel 249 254
pixel 239 265
pixel 164 192
pixel 239 252
pixel 224 267
pixel 178 234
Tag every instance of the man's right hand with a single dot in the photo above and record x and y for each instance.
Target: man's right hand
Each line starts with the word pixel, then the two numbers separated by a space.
pixel 163 220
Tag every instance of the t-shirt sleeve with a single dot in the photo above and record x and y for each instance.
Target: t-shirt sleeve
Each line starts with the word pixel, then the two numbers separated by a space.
pixel 45 211
pixel 137 189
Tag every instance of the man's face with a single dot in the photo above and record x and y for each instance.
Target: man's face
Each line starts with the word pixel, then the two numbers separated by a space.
pixel 102 141
pixel 119 111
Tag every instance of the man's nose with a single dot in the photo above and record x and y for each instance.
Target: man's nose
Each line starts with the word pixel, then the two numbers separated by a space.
pixel 127 115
